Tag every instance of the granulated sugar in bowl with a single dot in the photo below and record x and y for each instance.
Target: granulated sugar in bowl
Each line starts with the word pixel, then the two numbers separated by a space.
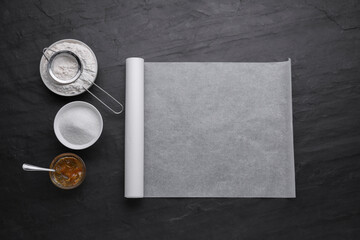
pixel 78 125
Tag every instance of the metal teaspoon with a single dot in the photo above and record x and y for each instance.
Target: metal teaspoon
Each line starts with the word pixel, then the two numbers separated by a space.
pixel 32 168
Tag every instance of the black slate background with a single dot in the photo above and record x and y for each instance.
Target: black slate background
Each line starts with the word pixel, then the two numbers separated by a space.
pixel 321 37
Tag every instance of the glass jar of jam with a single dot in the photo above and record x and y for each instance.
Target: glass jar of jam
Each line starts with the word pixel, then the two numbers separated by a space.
pixel 70 171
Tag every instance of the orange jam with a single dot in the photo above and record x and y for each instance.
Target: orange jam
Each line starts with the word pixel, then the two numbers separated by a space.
pixel 69 171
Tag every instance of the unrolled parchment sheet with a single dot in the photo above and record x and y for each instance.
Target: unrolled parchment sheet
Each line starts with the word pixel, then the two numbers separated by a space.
pixel 216 130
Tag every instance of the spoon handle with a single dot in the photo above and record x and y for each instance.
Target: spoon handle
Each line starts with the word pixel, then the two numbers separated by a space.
pixel 29 167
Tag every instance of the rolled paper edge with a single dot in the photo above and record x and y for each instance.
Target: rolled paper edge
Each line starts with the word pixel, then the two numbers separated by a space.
pixel 134 128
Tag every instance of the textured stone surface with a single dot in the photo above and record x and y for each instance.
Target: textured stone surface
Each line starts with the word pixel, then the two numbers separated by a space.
pixel 321 37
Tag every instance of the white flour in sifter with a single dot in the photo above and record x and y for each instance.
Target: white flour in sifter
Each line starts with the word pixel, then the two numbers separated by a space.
pixel 65 68
pixel 79 125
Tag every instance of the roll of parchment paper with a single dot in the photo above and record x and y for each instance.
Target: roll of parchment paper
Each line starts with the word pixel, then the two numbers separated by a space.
pixel 207 129
pixel 134 128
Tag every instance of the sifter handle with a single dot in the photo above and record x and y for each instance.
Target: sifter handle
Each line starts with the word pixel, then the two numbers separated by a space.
pixel 116 112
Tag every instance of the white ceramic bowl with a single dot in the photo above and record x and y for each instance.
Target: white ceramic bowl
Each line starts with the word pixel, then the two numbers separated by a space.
pixel 69 127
